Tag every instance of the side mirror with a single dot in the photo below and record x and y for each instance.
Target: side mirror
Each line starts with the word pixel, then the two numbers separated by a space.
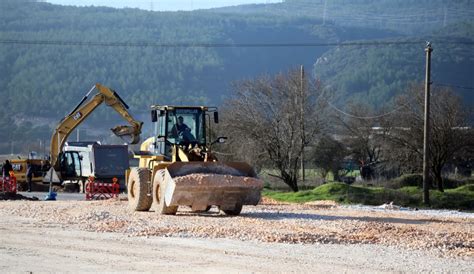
pixel 216 117
pixel 154 116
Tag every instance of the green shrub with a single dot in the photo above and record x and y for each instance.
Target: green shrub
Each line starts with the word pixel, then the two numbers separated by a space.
pixel 461 198
pixel 465 188
pixel 449 183
pixel 407 180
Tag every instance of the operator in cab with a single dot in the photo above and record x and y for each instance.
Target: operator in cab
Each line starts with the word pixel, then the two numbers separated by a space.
pixel 182 131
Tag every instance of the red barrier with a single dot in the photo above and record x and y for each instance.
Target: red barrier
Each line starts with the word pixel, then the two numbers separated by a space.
pixel 8 184
pixel 101 191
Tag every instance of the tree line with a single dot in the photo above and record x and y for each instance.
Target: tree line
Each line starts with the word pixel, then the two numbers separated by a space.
pixel 266 114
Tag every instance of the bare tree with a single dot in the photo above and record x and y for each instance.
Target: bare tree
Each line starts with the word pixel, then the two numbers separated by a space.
pixel 449 132
pixel 360 129
pixel 267 111
pixel 328 155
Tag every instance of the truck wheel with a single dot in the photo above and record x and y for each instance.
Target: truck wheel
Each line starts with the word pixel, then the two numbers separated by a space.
pixel 159 205
pixel 233 212
pixel 137 189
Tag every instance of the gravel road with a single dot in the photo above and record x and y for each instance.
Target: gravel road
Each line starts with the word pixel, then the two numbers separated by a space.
pixel 105 236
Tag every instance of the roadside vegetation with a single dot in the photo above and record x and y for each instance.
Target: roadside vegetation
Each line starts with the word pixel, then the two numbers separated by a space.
pixel 461 197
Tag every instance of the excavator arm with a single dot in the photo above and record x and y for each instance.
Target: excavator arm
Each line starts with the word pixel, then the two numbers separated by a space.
pixel 84 109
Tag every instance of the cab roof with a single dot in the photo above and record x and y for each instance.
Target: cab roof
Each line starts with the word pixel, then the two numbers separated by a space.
pixel 167 107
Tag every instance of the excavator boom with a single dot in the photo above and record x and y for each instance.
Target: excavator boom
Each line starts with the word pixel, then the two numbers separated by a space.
pixel 84 109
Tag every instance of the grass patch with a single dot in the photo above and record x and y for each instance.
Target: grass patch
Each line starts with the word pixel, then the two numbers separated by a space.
pixel 410 196
pixel 457 198
pixel 313 173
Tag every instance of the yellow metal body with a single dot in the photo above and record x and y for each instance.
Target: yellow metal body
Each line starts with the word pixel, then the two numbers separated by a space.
pixel 149 161
pixel 228 185
pixel 77 116
pixel 19 168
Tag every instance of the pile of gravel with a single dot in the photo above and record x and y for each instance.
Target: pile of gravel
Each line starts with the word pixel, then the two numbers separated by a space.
pixel 312 223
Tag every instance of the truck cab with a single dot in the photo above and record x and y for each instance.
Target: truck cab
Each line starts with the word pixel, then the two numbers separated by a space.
pixel 80 160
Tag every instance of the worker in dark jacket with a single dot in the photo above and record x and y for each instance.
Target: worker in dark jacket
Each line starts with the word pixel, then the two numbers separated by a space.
pixel 7 167
pixel 29 174
pixel 182 131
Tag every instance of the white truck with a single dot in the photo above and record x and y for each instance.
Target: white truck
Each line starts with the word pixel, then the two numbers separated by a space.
pixel 81 160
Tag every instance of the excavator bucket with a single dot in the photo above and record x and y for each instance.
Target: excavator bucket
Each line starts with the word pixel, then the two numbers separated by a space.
pixel 202 184
pixel 131 134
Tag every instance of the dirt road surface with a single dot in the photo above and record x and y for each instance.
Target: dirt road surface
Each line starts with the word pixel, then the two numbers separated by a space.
pixel 78 236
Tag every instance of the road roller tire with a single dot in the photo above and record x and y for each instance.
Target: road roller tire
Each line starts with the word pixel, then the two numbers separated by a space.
pixel 137 189
pixel 158 194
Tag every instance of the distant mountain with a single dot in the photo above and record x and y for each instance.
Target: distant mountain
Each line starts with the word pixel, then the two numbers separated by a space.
pixel 161 5
pixel 77 47
pixel 374 74
pixel 60 73
pixel 416 17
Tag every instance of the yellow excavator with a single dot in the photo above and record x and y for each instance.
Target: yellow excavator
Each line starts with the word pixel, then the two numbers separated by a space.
pixel 63 162
pixel 178 168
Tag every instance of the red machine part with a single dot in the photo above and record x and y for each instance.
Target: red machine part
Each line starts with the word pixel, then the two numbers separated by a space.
pixel 8 184
pixel 96 190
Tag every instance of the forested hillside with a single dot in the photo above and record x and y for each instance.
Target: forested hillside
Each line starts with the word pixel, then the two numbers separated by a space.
pixel 149 57
pixel 62 73
pixel 414 17
pixel 375 74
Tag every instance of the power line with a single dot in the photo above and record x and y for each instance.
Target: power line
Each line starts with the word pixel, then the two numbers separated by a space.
pixel 392 111
pixel 364 117
pixel 202 45
pixel 453 86
pixel 223 45
pixel 218 45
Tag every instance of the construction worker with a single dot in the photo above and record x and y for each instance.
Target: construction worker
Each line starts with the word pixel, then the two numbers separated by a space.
pixel 7 167
pixel 29 174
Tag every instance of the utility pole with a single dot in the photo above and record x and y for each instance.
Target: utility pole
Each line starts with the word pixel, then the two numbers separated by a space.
pixel 426 134
pixel 302 122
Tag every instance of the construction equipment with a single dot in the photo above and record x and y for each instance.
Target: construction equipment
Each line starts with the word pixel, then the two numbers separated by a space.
pixel 102 162
pixel 67 164
pixel 39 167
pixel 178 168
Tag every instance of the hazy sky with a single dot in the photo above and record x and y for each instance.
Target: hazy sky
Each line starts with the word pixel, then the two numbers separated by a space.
pixel 161 5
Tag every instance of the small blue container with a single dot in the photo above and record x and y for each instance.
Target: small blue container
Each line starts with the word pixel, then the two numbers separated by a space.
pixel 51 196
